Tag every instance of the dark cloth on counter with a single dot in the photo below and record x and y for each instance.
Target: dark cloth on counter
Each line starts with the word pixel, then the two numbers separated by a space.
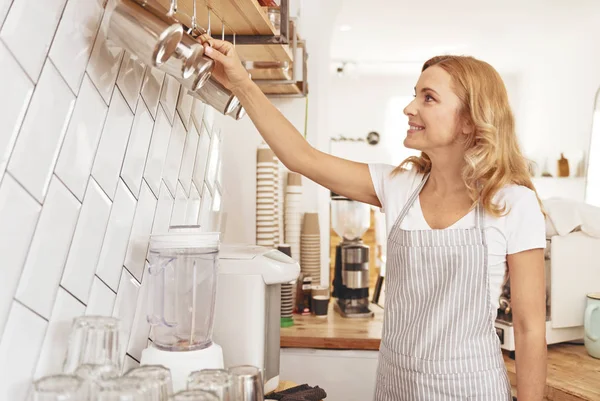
pixel 303 392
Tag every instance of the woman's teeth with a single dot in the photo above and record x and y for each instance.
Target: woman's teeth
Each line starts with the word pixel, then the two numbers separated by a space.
pixel 413 128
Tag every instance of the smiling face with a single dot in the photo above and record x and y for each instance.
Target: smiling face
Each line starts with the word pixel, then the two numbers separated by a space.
pixel 434 114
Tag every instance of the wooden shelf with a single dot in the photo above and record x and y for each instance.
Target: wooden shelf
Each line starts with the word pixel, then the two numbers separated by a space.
pixel 244 17
pixel 271 73
pixel 281 89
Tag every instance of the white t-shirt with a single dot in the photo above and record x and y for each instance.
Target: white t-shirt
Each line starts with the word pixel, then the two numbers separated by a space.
pixel 522 228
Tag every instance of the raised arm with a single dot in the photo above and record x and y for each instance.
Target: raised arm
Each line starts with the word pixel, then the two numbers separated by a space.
pixel 344 177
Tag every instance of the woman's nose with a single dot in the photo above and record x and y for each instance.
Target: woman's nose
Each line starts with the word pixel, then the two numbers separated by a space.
pixel 410 109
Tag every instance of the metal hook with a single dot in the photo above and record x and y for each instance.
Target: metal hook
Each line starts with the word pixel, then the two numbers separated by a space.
pixel 194 23
pixel 223 30
pixel 208 30
pixel 173 9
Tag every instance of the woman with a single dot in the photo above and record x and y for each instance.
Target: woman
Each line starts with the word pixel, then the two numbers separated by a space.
pixel 464 213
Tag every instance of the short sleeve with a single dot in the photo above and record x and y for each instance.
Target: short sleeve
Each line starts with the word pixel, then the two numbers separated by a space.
pixel 525 224
pixel 380 174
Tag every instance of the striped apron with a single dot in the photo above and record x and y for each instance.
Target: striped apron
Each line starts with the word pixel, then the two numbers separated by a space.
pixel 438 340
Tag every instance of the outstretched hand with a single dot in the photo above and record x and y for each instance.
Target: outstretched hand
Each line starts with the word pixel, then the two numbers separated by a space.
pixel 228 70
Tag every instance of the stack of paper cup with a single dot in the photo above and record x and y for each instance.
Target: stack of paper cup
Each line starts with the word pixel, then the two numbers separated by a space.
pixel 265 198
pixel 280 199
pixel 293 216
pixel 287 294
pixel 310 247
pixel 276 238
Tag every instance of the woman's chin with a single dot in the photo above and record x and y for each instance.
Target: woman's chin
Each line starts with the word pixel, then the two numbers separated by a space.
pixel 410 143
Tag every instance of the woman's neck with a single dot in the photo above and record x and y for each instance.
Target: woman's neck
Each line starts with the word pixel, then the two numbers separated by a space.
pixel 446 174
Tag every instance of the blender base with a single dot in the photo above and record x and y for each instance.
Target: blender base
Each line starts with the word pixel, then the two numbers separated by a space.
pixel 182 363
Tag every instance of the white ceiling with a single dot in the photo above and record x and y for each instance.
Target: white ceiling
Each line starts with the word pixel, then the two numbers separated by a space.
pixel 396 36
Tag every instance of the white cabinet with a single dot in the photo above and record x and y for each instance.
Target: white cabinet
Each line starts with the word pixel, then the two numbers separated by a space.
pixel 344 375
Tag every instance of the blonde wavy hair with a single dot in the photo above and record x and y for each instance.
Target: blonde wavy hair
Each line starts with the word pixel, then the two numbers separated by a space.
pixel 493 157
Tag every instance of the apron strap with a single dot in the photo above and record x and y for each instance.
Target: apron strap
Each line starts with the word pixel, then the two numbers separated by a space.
pixel 410 201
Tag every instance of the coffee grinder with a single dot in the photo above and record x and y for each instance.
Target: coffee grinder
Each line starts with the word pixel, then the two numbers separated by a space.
pixel 350 220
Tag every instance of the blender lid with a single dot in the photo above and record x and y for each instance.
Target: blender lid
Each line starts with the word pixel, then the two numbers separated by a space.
pixel 183 237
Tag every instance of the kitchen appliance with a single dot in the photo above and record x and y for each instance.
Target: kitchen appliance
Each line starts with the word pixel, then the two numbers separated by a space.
pixel 571 273
pixel 350 220
pixel 181 298
pixel 247 311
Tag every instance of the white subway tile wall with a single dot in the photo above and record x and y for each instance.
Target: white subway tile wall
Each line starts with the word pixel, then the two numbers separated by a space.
pixel 97 151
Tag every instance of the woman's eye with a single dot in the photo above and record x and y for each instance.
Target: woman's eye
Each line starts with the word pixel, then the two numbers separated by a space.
pixel 429 98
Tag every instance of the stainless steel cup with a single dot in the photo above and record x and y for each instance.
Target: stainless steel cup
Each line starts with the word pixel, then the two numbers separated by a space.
pixel 247 383
pixel 194 395
pixel 59 388
pixel 217 96
pixel 146 32
pixel 238 113
pixel 189 65
pixel 157 379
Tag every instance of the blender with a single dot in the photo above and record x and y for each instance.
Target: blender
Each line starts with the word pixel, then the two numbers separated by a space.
pixel 350 220
pixel 182 276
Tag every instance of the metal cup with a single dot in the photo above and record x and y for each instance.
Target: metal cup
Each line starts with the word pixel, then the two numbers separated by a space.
pixel 238 113
pixel 157 379
pixel 216 381
pixel 217 96
pixel 94 340
pixel 247 383
pixel 149 34
pixel 189 65
pixel 59 388
pixel 194 395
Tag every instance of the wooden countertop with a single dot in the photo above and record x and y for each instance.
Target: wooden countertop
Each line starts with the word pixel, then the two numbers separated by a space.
pixel 572 374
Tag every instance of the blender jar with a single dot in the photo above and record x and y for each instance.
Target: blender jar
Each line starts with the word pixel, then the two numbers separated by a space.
pixel 182 272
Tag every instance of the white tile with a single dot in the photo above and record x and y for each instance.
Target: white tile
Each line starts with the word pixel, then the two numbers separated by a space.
pixel 19 349
pixel 185 103
pixel 81 140
pixel 18 216
pixel 205 209
pixel 193 207
pixel 87 242
pixel 30 45
pixel 102 299
pixel 38 143
pixel 74 39
pixel 187 162
pixel 214 159
pixel 4 6
pixel 116 238
pixel 104 63
pixel 168 96
pixel 151 87
pixel 197 113
pixel 158 151
pixel 164 207
pixel 54 347
pixel 111 150
pixel 201 158
pixel 137 148
pixel 140 328
pixel 209 118
pixel 49 249
pixel 129 364
pixel 125 306
pixel 174 155
pixel 12 108
pixel 179 208
pixel 140 233
pixel 130 78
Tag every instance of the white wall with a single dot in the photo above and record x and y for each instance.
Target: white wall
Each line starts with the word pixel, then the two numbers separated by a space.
pixel 552 100
pixel 96 153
